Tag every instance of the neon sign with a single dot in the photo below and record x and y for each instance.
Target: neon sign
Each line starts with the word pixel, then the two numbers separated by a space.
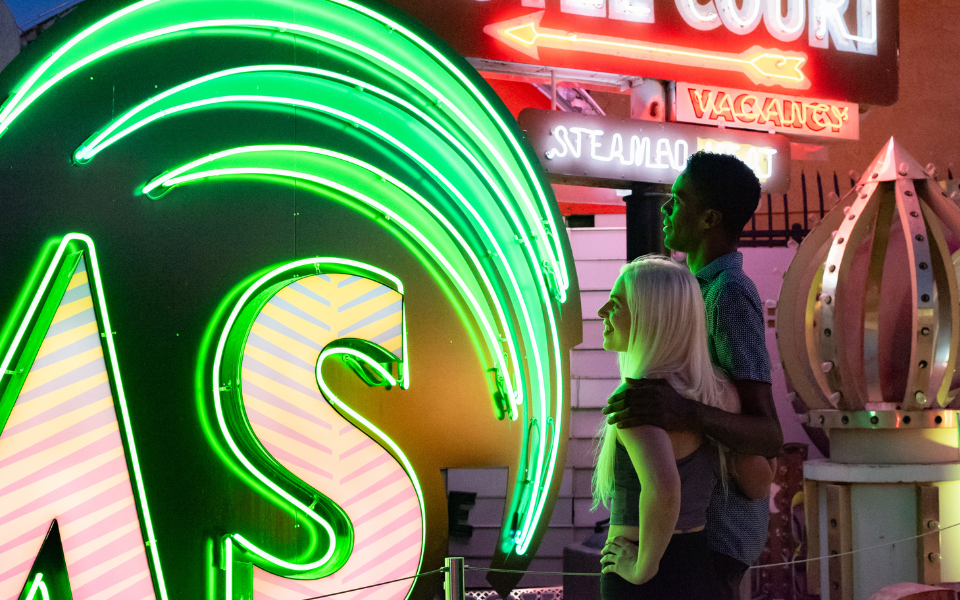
pixel 351 311
pixel 761 66
pixel 67 436
pixel 767 112
pixel 834 49
pixel 412 181
pixel 785 23
pixel 616 152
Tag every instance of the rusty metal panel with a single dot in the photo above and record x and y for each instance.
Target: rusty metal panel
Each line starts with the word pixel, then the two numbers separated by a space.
pixel 839 542
pixel 811 512
pixel 928 546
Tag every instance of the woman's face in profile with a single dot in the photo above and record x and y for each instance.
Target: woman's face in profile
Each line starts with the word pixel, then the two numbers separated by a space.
pixel 616 319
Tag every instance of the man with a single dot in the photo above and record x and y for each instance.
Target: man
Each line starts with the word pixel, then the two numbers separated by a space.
pixel 711 202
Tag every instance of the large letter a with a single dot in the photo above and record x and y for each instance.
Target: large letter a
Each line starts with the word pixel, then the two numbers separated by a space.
pixel 65 441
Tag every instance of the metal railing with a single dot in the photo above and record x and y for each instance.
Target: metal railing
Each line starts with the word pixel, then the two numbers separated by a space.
pixel 771 228
pixel 781 229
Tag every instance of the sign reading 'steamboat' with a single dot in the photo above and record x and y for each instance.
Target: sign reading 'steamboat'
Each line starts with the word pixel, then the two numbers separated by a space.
pixel 583 149
pixel 714 105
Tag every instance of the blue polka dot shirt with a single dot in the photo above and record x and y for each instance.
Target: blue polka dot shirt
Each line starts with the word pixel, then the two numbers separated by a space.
pixel 736 525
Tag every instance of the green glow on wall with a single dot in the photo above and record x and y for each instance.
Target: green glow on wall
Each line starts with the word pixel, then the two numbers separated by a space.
pixel 477 160
pixel 12 379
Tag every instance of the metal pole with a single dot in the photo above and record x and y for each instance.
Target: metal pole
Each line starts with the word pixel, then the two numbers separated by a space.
pixel 644 221
pixel 453 584
pixel 553 90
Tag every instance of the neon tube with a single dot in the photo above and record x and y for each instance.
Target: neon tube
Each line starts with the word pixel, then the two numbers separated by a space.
pixel 765 67
pixel 732 11
pixel 176 177
pixel 835 6
pixel 559 259
pixel 452 272
pixel 228 565
pixel 777 18
pixel 87 152
pixel 19 102
pixel 693 8
pixel 38 585
pixel 333 399
pixel 110 358
pixel 215 389
pixel 426 164
pixel 108 137
pixel 93 146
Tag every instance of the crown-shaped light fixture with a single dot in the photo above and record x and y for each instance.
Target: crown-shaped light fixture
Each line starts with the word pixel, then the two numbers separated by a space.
pixel 869 311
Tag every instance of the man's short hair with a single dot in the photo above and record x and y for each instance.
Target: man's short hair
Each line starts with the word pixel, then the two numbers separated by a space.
pixel 724 183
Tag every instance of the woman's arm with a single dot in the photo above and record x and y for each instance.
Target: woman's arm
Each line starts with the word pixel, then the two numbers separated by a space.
pixel 752 474
pixel 652 456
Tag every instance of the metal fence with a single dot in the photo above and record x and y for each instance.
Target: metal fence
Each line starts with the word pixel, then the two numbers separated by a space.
pixel 765 231
pixel 771 229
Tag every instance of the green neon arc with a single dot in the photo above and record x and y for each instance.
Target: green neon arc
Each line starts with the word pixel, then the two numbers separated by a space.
pixel 513 394
pixel 18 103
pixel 542 477
pixel 491 111
pixel 107 137
pixel 177 176
pixel 424 241
pixel 215 383
pixel 93 146
pixel 93 271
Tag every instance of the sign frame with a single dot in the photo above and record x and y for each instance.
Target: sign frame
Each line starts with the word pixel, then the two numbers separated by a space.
pixel 581 149
pixel 855 58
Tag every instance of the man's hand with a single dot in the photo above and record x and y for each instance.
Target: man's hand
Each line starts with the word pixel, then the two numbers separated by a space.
pixel 652 402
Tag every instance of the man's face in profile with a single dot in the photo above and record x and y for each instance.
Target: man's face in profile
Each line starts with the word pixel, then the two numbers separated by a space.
pixel 681 216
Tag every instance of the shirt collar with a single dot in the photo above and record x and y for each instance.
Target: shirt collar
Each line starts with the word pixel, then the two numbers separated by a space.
pixel 734 260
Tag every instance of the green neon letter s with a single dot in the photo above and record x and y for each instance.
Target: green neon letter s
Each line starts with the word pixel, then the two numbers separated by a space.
pixel 355 493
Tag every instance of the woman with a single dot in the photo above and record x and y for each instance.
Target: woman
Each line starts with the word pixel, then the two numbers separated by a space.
pixel 655 320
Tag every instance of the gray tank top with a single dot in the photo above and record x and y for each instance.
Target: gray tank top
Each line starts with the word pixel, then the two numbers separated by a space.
pixel 699 473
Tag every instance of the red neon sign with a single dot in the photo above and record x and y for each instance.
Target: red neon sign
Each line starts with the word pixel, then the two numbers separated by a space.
pixel 764 111
pixel 762 66
pixel 810 48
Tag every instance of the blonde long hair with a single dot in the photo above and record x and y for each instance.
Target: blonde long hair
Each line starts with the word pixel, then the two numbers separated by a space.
pixel 668 339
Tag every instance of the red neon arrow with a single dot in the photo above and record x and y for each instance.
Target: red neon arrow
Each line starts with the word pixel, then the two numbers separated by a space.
pixel 762 66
